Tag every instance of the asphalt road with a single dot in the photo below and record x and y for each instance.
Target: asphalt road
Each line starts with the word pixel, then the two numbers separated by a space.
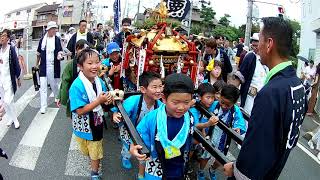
pixel 43 147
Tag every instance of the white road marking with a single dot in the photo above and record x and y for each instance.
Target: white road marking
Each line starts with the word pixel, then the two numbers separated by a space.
pixel 77 164
pixel 28 150
pixel 20 105
pixel 310 154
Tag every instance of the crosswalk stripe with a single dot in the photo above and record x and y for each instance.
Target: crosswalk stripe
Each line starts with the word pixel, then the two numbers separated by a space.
pixel 20 105
pixel 77 164
pixel 28 150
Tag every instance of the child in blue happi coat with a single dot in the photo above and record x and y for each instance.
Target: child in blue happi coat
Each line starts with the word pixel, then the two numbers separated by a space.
pixel 113 62
pixel 87 96
pixel 206 94
pixel 226 110
pixel 167 131
pixel 137 107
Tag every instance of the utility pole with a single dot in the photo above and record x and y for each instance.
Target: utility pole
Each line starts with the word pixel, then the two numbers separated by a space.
pixel 27 76
pixel 249 23
pixel 190 18
pixel 138 7
pixel 61 15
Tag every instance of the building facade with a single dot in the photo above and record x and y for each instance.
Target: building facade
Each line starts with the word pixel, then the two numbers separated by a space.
pixel 19 19
pixel 71 12
pixel 310 35
pixel 310 32
pixel 41 18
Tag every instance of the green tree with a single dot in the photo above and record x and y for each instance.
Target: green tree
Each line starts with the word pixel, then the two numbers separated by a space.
pixel 227 31
pixel 109 23
pixel 195 29
pixel 224 21
pixel 207 14
pixel 242 29
pixel 295 44
pixel 148 23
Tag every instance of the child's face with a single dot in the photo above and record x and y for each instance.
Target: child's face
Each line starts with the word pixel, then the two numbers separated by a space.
pixel 115 56
pixel 225 104
pixel 207 99
pixel 90 66
pixel 177 104
pixel 217 95
pixel 201 67
pixel 154 89
pixel 216 72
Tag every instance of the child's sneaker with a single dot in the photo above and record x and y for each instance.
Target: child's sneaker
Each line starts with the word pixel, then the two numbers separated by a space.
pixel 310 143
pixel 126 163
pixel 212 174
pixel 200 175
pixel 95 177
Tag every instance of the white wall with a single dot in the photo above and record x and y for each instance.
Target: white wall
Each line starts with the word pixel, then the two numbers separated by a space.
pixel 21 19
pixel 309 13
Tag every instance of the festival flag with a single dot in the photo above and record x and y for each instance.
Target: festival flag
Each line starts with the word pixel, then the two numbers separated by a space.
pixel 117 15
pixel 178 8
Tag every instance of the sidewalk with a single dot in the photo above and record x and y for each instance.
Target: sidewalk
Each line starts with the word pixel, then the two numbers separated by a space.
pixel 309 128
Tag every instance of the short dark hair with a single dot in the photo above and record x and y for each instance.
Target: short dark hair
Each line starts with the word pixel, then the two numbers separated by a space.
pixel 217 63
pixel 206 88
pixel 219 37
pixel 126 20
pixel 178 83
pixel 231 93
pixel 218 85
pixel 82 21
pixel 99 24
pixel 311 62
pixel 7 31
pixel 211 44
pixel 84 54
pixel 147 77
pixel 281 32
pixel 81 44
pixel 205 63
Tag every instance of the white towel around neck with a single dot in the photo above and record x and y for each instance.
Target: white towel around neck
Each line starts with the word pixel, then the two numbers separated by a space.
pixel 92 95
pixel 50 48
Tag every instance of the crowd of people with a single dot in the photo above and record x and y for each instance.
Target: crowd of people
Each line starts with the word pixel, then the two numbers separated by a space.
pixel 263 83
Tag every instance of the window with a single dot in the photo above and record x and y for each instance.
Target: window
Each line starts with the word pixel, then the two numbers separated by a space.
pixel 18 13
pixel 42 17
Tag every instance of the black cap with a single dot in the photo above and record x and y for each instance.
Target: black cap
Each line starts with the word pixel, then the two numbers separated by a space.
pixel 178 83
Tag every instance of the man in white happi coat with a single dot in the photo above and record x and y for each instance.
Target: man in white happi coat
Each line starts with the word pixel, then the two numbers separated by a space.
pixel 49 54
pixel 10 72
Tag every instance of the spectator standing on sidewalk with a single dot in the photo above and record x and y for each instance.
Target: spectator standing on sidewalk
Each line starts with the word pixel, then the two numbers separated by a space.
pixel 314 92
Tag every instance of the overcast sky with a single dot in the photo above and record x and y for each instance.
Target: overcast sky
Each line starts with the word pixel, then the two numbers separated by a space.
pixel 236 8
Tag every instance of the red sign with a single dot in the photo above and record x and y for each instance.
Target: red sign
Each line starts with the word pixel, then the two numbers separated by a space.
pixel 281 10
